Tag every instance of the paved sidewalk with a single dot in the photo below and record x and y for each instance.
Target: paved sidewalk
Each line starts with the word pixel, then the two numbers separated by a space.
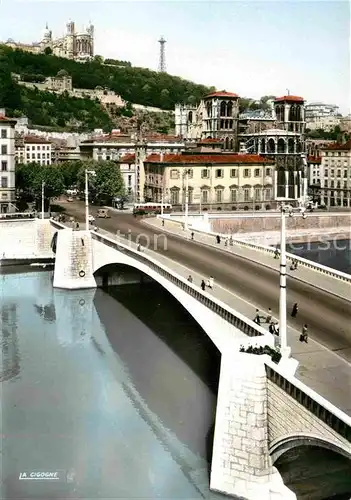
pixel 319 368
pixel 314 278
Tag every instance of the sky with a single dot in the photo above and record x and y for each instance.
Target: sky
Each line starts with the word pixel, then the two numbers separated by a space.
pixel 253 48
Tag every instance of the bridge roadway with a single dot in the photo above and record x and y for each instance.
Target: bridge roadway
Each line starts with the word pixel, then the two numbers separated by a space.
pixel 245 285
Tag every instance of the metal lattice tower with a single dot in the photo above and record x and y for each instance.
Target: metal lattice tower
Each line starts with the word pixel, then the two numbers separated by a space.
pixel 162 62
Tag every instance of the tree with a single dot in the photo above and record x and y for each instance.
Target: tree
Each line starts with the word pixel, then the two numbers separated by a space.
pixel 98 59
pixel 29 179
pixel 106 184
pixel 48 51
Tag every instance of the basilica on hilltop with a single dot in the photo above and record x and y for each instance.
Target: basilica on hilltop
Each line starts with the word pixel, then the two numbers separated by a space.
pixel 76 45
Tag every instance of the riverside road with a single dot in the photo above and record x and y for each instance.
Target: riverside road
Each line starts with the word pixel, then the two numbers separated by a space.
pixel 328 316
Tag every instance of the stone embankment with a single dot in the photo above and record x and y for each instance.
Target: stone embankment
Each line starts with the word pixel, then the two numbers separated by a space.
pixel 266 230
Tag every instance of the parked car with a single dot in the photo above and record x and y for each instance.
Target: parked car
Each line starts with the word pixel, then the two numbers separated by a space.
pixel 91 219
pixel 70 198
pixel 103 213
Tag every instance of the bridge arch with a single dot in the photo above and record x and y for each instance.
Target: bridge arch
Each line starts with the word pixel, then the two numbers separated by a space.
pixel 218 329
pixel 290 441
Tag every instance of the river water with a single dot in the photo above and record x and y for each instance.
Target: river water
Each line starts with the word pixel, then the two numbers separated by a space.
pixel 114 393
pixel 334 253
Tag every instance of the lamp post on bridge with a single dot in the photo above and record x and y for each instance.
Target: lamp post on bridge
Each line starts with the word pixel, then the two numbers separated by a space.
pixel 186 173
pixel 42 199
pixel 87 172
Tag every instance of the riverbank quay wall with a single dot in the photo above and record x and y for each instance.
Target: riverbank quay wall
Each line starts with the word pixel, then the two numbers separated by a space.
pixel 25 239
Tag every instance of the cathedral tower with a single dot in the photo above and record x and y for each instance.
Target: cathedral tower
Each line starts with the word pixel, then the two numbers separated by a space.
pixel 221 118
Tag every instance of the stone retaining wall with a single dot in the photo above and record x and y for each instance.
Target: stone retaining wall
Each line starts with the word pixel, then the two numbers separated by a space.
pixel 257 224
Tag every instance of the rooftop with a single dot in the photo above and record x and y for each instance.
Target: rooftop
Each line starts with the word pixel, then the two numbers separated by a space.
pixel 200 159
pixel 4 119
pixel 314 159
pixel 210 141
pixel 339 147
pixel 289 98
pixel 221 93
pixel 34 139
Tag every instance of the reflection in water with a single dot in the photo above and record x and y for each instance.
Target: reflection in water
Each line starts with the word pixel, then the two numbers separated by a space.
pixel 77 409
pixel 10 359
pixel 47 312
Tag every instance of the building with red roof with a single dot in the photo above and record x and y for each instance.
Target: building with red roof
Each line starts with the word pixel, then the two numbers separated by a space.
pixel 33 149
pixel 218 181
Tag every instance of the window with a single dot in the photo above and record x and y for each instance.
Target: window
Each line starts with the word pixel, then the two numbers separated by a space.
pixel 129 180
pixel 174 173
pixel 219 195
pixel 4 182
pixel 332 172
pixel 205 173
pixel 189 171
pixel 233 195
pixel 331 184
pixel 268 194
pixel 246 173
pixel 246 194
pixel 339 173
pixel 4 149
pixel 345 184
pixel 233 172
pixel 268 172
pixel 174 197
pixel 4 166
pixel 258 194
pixel 345 173
pixel 204 196
pixel 257 172
pixel 3 133
pixel 219 173
pixel 326 172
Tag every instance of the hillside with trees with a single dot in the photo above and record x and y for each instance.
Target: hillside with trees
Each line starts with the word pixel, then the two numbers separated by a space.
pixel 136 85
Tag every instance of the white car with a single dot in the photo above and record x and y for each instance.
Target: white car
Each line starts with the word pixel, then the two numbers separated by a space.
pixel 91 219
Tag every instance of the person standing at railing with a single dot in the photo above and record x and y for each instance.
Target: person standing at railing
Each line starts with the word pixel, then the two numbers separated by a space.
pixel 210 282
pixel 269 316
pixel 190 278
pixel 203 285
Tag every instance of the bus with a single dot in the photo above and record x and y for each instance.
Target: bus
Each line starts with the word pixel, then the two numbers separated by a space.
pixel 151 208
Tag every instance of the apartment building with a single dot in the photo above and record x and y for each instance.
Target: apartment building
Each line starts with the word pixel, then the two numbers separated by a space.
pixel 7 163
pixel 222 181
pixel 33 149
pixel 330 176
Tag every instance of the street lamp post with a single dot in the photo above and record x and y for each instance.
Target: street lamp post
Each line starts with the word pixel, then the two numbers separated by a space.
pixel 186 197
pixel 92 172
pixel 285 350
pixel 42 199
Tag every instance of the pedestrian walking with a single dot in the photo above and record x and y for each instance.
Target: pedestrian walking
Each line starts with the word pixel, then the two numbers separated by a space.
pixel 294 310
pixel 304 334
pixel 192 235
pixel 269 315
pixel 218 239
pixel 139 248
pixel 163 222
pixel 211 282
pixel 257 318
pixel 203 285
pixel 272 328
pixel 231 242
pixel 190 278
pixel 276 253
pixel 77 226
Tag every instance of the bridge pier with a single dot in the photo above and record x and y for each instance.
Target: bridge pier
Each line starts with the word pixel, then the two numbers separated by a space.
pixel 241 464
pixel 74 260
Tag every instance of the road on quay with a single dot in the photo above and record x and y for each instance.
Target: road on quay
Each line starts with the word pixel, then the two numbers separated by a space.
pixel 328 316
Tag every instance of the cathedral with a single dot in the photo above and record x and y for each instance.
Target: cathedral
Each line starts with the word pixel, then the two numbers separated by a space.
pixel 78 46
pixel 277 133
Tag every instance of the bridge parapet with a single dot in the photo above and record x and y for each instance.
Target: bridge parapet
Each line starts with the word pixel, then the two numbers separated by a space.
pixel 297 413
pixel 270 250
pixel 236 319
